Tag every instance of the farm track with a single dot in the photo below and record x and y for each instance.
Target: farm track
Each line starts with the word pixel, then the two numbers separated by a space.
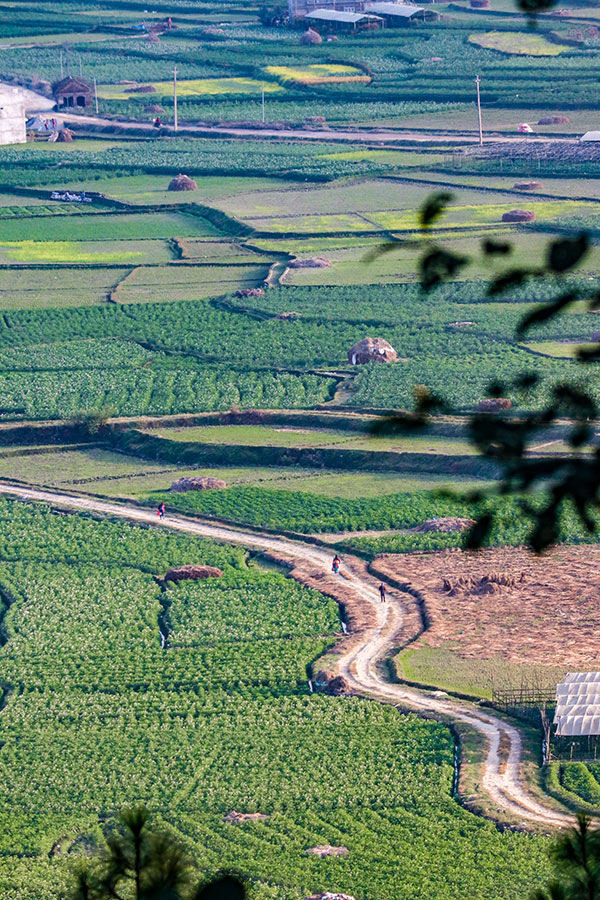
pixel 344 135
pixel 501 779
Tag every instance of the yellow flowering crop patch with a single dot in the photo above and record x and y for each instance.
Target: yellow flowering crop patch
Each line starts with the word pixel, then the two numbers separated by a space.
pixel 323 73
pixel 62 251
pixel 195 87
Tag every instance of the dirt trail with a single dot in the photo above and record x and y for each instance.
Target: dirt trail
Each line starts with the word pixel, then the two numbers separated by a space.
pixel 501 780
pixel 348 134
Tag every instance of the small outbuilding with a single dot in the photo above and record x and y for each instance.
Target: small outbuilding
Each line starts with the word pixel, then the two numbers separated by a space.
pixel 397 14
pixel 347 22
pixel 72 93
pixel 371 350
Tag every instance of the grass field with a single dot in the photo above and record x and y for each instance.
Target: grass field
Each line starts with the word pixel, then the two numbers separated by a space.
pixel 115 227
pixel 518 43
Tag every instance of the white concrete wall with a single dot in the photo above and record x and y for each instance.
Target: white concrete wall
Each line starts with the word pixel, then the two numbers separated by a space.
pixel 12 118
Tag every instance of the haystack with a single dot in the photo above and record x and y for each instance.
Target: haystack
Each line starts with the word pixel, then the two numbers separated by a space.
pixel 324 850
pixel 311 37
pixel 192 573
pixel 494 404
pixel 152 38
pixel 65 136
pixel 553 120
pixel 328 895
pixel 250 292
pixel 315 262
pixel 330 683
pixel 182 183
pixel 234 818
pixel 286 316
pixel 371 350
pixel 154 108
pixel 443 525
pixel 519 215
pixel 528 185
pixel 197 483
pixel 141 89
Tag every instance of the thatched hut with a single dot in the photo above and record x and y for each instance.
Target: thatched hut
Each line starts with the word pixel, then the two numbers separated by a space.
pixel 182 183
pixel 371 350
pixel 311 37
pixel 519 215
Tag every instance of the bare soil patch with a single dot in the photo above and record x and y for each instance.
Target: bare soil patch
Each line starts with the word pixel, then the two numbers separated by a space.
pixel 507 602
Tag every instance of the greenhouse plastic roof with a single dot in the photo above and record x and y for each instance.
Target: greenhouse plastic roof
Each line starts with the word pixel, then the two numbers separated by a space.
pixel 578 704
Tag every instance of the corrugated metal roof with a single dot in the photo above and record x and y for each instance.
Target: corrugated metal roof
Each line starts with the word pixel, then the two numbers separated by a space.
pixel 402 10
pixel 578 704
pixel 335 15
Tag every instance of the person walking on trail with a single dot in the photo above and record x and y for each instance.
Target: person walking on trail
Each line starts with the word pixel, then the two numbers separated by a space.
pixel 335 565
pixel 161 510
pixel 382 592
pixel 157 122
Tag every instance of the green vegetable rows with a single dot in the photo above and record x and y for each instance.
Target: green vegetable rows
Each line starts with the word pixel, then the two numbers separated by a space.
pixel 98 716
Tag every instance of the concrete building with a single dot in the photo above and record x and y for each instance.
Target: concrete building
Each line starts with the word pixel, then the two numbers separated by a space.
pixel 12 117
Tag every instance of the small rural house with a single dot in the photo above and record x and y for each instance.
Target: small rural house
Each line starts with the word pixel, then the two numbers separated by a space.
pixel 397 14
pixel 12 117
pixel 332 20
pixel 72 92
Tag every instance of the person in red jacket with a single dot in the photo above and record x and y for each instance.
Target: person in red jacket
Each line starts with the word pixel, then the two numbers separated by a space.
pixel 161 510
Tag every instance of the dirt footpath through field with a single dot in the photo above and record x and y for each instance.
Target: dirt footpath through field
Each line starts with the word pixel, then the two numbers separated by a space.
pixel 357 661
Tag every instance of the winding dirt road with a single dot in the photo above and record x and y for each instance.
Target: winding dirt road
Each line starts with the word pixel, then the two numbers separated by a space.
pixel 501 780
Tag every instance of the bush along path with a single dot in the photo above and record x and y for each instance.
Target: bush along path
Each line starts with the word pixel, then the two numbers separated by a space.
pixel 373 629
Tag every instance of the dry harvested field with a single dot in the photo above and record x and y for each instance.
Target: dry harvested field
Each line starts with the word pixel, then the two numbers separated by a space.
pixel 520 613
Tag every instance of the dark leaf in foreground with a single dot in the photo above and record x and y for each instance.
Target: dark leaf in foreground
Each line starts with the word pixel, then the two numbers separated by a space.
pixel 438 265
pixel 479 532
pixel 227 887
pixel 381 250
pixel 512 278
pixel 496 248
pixel 434 207
pixel 544 312
pixel 567 252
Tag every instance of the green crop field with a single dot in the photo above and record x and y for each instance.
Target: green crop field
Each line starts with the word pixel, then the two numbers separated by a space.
pixel 211 329
pixel 219 718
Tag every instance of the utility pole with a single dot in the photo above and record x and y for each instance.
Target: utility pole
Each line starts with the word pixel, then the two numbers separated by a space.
pixel 80 67
pixel 96 95
pixel 479 111
pixel 263 103
pixel 61 64
pixel 175 122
